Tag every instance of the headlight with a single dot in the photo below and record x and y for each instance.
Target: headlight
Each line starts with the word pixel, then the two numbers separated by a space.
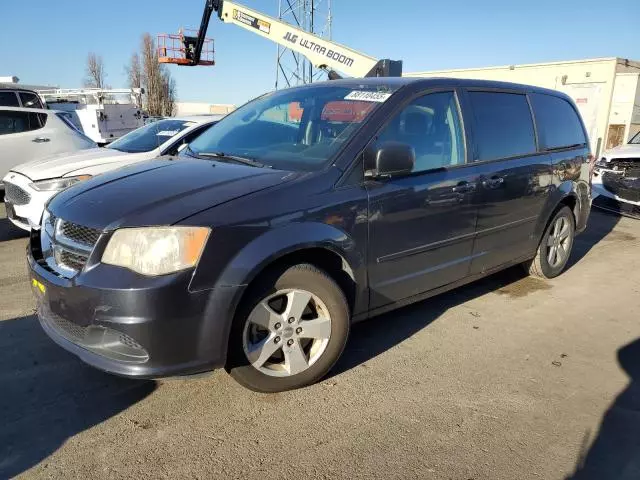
pixel 156 250
pixel 56 184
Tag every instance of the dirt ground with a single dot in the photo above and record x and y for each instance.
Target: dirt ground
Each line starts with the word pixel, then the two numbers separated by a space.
pixel 507 378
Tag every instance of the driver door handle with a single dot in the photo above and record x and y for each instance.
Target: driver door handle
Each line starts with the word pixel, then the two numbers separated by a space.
pixel 41 140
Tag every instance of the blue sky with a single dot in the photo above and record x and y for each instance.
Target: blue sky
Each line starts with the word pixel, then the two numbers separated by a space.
pixel 45 42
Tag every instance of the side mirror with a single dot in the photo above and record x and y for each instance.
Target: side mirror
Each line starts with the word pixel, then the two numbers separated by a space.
pixel 391 159
pixel 182 147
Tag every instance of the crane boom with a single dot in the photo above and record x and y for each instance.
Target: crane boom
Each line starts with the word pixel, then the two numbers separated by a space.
pixel 322 53
pixel 202 32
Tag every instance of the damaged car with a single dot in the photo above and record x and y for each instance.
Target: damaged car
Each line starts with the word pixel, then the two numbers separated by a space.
pixel 616 179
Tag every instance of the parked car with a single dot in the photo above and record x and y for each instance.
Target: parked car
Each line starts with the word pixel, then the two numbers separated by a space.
pixel 616 179
pixel 150 119
pixel 29 186
pixel 302 212
pixel 103 115
pixel 14 96
pixel 28 134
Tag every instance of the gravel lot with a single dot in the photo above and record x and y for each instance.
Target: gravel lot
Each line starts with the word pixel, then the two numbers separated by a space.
pixel 507 378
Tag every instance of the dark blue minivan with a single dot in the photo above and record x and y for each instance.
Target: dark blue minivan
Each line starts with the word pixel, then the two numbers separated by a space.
pixel 302 212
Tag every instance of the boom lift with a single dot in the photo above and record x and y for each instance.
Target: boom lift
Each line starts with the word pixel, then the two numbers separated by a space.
pixel 324 54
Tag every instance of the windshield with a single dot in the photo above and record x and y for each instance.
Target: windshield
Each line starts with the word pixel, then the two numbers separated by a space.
pixel 294 129
pixel 145 139
pixel 635 140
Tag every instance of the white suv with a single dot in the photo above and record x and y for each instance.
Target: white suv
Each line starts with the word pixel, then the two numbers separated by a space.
pixel 29 186
pixel 28 134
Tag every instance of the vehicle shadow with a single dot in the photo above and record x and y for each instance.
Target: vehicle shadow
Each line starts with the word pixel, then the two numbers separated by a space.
pixel 615 453
pixel 373 337
pixel 48 395
pixel 600 225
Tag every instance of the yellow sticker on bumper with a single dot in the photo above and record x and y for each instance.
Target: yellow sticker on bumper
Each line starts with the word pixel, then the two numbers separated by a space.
pixel 36 284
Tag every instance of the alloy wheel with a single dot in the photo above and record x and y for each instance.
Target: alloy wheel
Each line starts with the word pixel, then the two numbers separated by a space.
pixel 286 332
pixel 559 242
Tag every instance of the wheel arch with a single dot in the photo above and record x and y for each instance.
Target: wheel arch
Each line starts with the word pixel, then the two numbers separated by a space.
pixel 323 257
pixel 321 245
pixel 570 194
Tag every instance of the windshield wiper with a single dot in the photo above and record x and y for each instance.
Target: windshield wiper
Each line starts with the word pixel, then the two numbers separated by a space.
pixel 234 158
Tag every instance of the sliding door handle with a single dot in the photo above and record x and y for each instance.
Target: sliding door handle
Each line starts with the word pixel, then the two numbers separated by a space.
pixel 493 182
pixel 464 187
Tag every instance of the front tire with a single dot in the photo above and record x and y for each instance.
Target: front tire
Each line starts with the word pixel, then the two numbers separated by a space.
pixel 555 247
pixel 289 331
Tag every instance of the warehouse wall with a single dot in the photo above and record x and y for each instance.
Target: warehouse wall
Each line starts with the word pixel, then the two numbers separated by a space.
pixel 626 95
pixel 589 82
pixel 634 128
pixel 196 108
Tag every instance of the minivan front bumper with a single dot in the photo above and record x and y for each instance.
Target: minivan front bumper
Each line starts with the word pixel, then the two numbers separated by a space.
pixel 149 328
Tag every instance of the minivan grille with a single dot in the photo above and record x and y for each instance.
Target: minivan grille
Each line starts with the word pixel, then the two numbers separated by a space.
pixel 66 246
pixel 16 195
pixel 71 260
pixel 79 234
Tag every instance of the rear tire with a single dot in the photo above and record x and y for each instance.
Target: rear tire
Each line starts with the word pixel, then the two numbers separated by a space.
pixel 289 331
pixel 555 247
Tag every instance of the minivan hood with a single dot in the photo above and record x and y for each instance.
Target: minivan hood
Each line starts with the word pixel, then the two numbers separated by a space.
pixel 159 192
pixel 623 151
pixel 62 164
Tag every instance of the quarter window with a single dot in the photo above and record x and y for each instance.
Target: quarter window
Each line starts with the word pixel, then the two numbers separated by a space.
pixel 30 100
pixel 37 120
pixel 558 122
pixel 431 125
pixel 503 125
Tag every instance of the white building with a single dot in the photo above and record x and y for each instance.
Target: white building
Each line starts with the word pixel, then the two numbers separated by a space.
pixel 606 91
pixel 195 108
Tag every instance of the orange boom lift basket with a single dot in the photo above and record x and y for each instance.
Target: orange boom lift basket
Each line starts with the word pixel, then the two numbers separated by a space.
pixel 178 49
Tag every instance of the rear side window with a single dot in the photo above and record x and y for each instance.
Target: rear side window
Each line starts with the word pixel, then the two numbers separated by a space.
pixel 503 125
pixel 8 99
pixel 30 100
pixel 18 122
pixel 558 122
pixel 13 122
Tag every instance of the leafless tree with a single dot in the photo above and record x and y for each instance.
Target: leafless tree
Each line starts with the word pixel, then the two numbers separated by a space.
pixel 95 74
pixel 134 74
pixel 159 86
pixel 134 71
pixel 169 94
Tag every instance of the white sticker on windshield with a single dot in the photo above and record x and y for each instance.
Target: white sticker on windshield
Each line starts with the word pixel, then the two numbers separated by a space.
pixel 365 96
pixel 167 133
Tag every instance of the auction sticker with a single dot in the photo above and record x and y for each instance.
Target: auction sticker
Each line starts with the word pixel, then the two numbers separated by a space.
pixel 365 96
